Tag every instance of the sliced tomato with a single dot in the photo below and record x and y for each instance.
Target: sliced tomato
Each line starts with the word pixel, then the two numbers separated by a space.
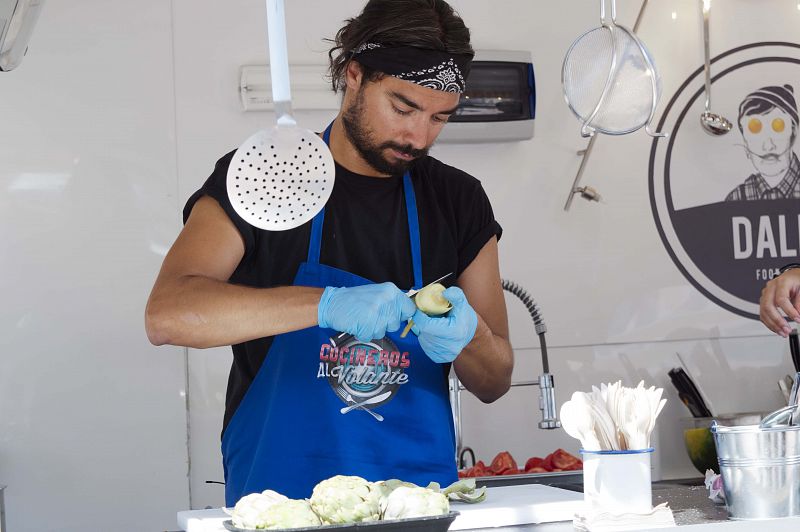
pixel 536 470
pixel 512 472
pixel 481 470
pixel 561 459
pixel 534 461
pixel 548 462
pixel 503 462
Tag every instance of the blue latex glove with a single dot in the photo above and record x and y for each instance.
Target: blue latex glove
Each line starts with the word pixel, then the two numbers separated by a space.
pixel 367 312
pixel 443 337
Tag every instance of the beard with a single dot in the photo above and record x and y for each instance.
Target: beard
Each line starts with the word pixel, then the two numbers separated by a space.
pixel 370 150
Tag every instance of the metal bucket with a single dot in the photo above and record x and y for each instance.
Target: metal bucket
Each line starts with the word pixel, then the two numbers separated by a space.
pixel 760 470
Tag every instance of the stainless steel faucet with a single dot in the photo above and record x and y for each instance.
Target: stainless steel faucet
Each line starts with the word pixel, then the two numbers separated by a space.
pixel 545 382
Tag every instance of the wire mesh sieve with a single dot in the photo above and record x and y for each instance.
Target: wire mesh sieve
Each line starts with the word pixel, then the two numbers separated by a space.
pixel 609 79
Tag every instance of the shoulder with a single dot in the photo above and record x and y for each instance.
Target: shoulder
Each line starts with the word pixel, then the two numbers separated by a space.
pixel 445 177
pixel 222 164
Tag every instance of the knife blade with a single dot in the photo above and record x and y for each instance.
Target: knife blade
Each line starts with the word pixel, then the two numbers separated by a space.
pixel 794 348
pixel 413 292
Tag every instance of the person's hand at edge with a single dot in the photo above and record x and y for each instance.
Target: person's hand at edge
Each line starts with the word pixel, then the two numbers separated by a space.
pixel 781 294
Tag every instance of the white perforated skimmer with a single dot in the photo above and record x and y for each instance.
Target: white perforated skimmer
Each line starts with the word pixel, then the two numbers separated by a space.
pixel 280 177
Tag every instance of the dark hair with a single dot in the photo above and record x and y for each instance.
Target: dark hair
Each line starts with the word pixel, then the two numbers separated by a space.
pixel 431 24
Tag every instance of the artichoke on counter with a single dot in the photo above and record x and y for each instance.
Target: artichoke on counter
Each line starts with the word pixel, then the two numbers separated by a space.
pixel 290 513
pixel 404 502
pixel 250 510
pixel 346 499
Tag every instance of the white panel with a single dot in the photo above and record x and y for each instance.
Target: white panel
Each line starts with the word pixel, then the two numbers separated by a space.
pixel 92 416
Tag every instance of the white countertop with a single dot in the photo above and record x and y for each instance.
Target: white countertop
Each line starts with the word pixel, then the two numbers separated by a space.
pixel 539 508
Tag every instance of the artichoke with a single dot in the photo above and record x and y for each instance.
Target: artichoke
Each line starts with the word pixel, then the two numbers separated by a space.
pixel 346 499
pixel 290 513
pixel 249 512
pixel 386 487
pixel 431 301
pixel 405 502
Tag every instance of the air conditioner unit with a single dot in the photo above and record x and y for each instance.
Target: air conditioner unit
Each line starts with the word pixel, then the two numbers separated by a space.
pixel 310 89
pixel 17 19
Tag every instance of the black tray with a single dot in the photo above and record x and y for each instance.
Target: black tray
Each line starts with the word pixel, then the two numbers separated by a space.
pixel 557 479
pixel 437 523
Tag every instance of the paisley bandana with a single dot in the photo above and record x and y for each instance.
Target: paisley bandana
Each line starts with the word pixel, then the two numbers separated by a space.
pixel 429 68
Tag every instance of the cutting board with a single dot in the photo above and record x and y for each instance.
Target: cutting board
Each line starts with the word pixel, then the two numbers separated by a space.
pixel 518 505
pixel 504 506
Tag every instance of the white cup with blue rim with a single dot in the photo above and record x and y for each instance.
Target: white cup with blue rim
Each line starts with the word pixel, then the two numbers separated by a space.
pixel 618 482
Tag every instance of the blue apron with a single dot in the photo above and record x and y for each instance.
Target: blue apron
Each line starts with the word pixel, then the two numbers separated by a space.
pixel 325 404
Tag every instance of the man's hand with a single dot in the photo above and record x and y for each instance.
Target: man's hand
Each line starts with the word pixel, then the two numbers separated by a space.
pixel 443 338
pixel 781 293
pixel 367 312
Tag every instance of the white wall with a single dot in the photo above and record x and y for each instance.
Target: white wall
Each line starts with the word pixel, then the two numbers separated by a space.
pixel 120 111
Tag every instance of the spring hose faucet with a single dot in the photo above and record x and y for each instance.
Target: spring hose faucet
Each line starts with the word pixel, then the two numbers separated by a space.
pixel 547 396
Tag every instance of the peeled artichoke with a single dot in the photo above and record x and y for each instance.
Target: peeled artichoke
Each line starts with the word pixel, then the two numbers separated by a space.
pixel 431 301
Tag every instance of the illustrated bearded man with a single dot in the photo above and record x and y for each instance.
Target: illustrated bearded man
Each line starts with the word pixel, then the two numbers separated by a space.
pixel 768 123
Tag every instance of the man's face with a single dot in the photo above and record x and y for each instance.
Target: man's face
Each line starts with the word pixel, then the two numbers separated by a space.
pixel 768 138
pixel 391 122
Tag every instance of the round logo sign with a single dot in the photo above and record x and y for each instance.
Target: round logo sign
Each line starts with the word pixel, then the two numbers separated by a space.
pixel 726 207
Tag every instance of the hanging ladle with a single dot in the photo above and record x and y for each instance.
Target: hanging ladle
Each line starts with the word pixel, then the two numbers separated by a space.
pixel 712 123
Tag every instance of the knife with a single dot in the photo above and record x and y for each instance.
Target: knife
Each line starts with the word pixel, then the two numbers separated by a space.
pixel 688 393
pixel 794 348
pixel 413 292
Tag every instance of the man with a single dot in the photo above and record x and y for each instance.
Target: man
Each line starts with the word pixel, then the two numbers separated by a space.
pixel 322 382
pixel 768 123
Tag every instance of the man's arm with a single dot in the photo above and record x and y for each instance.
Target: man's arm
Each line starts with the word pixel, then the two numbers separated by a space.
pixel 193 304
pixel 486 363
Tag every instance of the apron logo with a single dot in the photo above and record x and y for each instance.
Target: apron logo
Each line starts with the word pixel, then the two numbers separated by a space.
pixel 364 375
pixel 726 207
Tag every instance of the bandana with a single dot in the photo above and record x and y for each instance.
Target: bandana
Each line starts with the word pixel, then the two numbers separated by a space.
pixel 764 99
pixel 434 69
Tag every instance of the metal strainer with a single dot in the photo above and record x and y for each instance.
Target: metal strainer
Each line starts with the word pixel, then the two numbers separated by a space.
pixel 280 177
pixel 609 79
